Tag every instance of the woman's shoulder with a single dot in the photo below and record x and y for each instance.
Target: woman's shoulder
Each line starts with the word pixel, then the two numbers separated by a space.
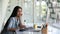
pixel 12 18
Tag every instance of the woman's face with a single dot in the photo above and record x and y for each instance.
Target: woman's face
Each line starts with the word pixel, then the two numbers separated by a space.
pixel 19 12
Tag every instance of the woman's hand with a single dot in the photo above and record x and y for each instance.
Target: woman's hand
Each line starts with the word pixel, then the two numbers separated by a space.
pixel 22 26
pixel 12 29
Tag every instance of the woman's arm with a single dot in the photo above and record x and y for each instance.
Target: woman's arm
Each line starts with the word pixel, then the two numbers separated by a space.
pixel 22 26
pixel 12 29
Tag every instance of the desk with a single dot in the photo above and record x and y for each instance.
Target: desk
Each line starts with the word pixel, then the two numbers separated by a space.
pixel 29 31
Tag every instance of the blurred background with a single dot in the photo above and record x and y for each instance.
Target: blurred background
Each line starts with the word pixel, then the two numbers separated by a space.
pixel 34 12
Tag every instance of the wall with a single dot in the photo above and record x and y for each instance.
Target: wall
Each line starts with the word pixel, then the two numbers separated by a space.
pixel 3 5
pixel 0 14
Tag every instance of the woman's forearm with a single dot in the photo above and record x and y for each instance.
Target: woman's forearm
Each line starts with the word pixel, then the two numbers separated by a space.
pixel 22 26
pixel 12 29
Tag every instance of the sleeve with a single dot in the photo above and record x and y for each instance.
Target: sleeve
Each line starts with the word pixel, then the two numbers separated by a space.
pixel 11 21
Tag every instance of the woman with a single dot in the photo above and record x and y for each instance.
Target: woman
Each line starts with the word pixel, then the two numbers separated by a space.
pixel 15 21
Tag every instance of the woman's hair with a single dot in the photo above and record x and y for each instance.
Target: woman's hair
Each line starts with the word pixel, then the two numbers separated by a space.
pixel 14 13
